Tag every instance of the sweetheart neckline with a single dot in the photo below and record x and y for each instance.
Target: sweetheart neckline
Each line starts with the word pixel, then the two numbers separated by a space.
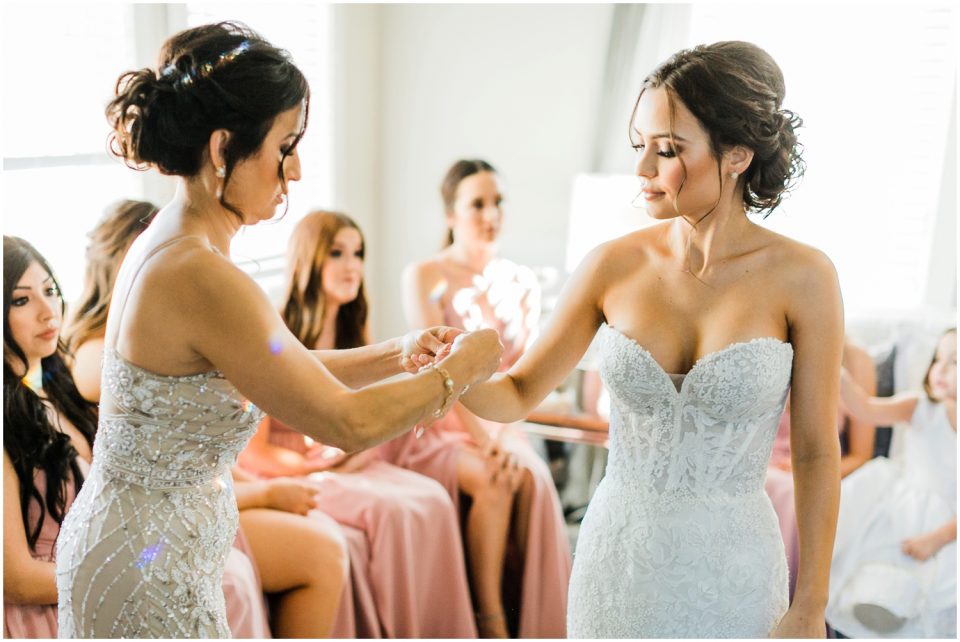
pixel 666 376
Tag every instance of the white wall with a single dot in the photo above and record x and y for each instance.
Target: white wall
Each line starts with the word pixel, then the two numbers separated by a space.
pixel 516 85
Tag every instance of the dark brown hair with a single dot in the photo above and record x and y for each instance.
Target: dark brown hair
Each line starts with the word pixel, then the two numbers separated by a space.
pixel 29 438
pixel 218 76
pixel 457 172
pixel 121 223
pixel 926 377
pixel 303 308
pixel 736 90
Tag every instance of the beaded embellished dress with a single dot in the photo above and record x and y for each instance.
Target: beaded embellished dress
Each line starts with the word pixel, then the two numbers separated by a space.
pixel 141 552
pixel 680 539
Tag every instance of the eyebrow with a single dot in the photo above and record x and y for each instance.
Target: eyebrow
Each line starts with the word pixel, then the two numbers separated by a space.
pixel 27 287
pixel 680 139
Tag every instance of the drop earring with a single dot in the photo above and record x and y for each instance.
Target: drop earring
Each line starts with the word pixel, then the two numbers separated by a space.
pixel 221 174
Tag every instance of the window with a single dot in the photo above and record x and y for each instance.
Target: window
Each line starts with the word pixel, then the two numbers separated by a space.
pixel 57 174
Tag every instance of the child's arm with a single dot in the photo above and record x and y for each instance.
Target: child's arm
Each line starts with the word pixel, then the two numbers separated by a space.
pixel 923 547
pixel 875 410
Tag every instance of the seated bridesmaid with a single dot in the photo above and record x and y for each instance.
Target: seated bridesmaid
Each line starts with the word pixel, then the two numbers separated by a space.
pixel 306 576
pixel 48 431
pixel 409 572
pixel 858 451
pixel 515 534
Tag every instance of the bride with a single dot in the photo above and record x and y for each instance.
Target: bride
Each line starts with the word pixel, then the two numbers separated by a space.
pixel 705 321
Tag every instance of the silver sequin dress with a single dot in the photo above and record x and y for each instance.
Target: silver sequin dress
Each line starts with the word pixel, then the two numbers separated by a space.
pixel 142 550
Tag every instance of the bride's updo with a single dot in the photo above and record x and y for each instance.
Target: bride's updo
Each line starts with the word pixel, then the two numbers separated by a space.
pixel 217 76
pixel 736 91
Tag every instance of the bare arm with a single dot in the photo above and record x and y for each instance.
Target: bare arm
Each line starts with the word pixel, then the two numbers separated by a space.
pixel 861 434
pixel 233 326
pixel 87 366
pixel 25 580
pixel 815 319
pixel 512 396
pixel 875 410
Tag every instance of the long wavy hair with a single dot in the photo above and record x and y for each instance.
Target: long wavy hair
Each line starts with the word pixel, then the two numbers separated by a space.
pixel 30 439
pixel 121 224
pixel 303 308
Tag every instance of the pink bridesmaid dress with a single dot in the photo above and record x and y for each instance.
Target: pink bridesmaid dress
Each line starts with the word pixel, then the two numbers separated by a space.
pixel 407 572
pixel 547 564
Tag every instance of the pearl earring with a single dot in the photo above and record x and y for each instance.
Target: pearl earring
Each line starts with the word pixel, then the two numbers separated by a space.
pixel 221 172
pixel 734 175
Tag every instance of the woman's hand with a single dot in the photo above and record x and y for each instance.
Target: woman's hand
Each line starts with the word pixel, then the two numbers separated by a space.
pixel 800 622
pixel 290 495
pixel 422 347
pixel 502 463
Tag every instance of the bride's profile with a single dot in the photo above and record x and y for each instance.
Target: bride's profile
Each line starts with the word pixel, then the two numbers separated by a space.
pixel 704 322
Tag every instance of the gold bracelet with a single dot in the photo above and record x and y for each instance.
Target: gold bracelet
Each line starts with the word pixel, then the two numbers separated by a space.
pixel 448 388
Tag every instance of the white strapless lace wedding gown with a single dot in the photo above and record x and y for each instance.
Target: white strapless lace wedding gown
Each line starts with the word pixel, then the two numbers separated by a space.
pixel 680 539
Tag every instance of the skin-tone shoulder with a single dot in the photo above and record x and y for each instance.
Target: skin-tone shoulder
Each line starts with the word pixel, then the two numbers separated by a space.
pixel 689 287
pixel 86 368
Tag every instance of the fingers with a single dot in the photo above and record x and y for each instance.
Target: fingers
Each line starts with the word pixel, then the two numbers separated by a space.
pixel 429 342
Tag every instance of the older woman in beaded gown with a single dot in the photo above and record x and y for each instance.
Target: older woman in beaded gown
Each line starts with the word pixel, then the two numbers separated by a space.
pixel 194 349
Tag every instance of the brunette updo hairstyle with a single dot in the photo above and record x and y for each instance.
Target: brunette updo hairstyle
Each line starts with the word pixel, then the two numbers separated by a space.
pixel 457 172
pixel 217 76
pixel 736 91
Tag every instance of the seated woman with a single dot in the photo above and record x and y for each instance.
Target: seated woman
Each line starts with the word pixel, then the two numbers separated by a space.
pixel 412 569
pixel 515 537
pixel 306 576
pixel 859 439
pixel 48 431
pixel 894 571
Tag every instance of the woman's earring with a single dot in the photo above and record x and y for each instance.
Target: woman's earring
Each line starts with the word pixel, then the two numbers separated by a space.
pixel 221 172
pixel 734 175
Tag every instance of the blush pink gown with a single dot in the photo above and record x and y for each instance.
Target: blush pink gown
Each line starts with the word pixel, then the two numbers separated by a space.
pixel 547 565
pixel 407 572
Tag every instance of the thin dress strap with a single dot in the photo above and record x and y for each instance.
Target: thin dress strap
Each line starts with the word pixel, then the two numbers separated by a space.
pixel 136 273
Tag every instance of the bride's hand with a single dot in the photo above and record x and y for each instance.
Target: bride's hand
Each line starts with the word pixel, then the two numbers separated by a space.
pixel 423 347
pixel 799 622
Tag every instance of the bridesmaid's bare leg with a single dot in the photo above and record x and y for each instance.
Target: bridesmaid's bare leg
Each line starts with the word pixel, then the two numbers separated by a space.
pixel 488 527
pixel 304 561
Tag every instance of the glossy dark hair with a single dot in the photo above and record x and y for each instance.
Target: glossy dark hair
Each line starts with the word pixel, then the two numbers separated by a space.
pixel 736 91
pixel 217 76
pixel 448 188
pixel 303 308
pixel 31 441
pixel 933 360
pixel 120 225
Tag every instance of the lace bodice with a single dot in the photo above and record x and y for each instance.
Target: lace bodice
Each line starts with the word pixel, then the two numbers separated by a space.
pixel 713 436
pixel 680 539
pixel 141 552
